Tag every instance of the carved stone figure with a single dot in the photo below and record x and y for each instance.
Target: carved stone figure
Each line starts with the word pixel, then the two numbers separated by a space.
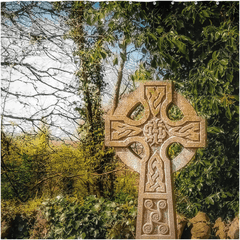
pixel 155 132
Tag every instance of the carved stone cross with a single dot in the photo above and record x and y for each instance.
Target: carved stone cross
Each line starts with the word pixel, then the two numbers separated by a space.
pixel 156 132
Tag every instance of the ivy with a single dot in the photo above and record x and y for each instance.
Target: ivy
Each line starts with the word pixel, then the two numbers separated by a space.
pixel 91 219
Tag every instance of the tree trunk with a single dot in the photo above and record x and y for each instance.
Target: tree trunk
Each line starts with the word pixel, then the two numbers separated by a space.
pixel 118 84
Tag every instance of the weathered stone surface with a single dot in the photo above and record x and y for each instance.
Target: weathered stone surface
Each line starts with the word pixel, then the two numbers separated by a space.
pixel 201 227
pixel 233 232
pixel 181 223
pixel 200 217
pixel 220 229
pixel 155 132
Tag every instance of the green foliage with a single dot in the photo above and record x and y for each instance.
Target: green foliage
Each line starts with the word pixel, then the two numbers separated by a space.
pixel 35 166
pixel 174 113
pixel 69 218
pixel 141 74
pixel 95 218
pixel 174 149
pixel 97 159
pixel 207 182
pixel 19 217
pixel 24 159
pixel 126 185
pixel 121 223
pixel 203 62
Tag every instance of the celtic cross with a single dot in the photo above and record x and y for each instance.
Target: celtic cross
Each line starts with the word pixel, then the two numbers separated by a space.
pixel 155 132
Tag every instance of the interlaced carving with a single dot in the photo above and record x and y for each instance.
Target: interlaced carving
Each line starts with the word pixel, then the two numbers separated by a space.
pixel 155 132
pixel 155 96
pixel 155 175
pixel 122 130
pixel 156 217
pixel 189 131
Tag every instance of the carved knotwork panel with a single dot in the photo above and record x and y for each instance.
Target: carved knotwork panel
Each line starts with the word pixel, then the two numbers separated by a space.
pixel 155 175
pixel 155 96
pixel 189 131
pixel 154 131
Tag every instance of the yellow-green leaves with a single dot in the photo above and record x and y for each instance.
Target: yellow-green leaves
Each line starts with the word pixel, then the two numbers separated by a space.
pixel 160 30
pixel 152 36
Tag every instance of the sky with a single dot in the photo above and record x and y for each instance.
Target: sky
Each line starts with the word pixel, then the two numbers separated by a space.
pixel 19 80
pixel 55 57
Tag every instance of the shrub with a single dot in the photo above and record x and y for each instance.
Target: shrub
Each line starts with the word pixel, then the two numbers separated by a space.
pixel 96 218
pixel 18 218
pixel 125 186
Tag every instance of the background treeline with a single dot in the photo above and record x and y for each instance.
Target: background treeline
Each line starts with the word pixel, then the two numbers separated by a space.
pixel 54 190
pixel 47 181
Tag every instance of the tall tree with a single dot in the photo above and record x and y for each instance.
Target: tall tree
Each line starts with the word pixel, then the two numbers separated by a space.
pixel 90 51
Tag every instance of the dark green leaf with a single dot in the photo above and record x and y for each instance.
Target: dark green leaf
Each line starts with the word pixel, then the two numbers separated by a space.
pixel 181 46
pixel 115 61
pixel 205 13
pixel 159 30
pixel 103 54
pixel 122 46
pixel 72 237
pixel 83 235
pixel 144 51
pixel 154 63
pixel 89 20
pixel 123 56
pixel 229 194
pixel 228 113
pixel 77 224
pixel 111 24
pixel 153 36
pixel 160 43
pixel 210 200
pixel 180 24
